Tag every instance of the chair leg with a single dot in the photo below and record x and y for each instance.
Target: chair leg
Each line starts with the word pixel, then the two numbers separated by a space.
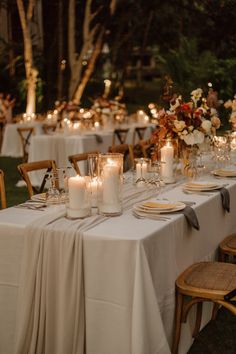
pixel 178 318
pixel 221 256
pixel 198 319
pixel 214 311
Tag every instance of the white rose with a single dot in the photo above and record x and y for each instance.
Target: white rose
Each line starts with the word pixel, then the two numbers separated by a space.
pixel 179 125
pixel 198 137
pixel 190 128
pixel 189 139
pixel 206 125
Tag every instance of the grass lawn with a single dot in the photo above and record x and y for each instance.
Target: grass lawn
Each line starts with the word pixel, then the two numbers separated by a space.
pixel 14 195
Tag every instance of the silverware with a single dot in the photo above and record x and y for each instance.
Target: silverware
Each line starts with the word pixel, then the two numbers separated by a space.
pixel 30 206
pixel 207 194
pixel 152 217
pixel 186 202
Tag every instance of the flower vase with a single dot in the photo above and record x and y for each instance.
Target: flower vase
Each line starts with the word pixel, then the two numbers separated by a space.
pixel 189 161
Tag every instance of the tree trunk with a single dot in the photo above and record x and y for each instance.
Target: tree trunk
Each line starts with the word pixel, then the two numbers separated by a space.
pixel 90 68
pixel 31 72
pixel 61 65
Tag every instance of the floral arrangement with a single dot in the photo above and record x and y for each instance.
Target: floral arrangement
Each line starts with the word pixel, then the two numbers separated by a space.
pixel 190 122
pixel 232 105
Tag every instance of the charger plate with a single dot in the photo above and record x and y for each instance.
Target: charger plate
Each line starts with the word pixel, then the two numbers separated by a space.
pixel 225 172
pixel 162 207
pixel 201 186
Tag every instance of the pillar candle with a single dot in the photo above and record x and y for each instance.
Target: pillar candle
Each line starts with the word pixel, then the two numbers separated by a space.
pixel 167 163
pixel 110 202
pixel 78 197
pixel 141 170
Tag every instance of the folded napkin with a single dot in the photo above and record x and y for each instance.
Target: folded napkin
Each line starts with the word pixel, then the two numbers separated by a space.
pixel 99 139
pixel 225 197
pixel 191 217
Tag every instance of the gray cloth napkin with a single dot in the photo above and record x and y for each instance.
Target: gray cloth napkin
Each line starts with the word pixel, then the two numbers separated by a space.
pixel 225 197
pixel 99 139
pixel 190 216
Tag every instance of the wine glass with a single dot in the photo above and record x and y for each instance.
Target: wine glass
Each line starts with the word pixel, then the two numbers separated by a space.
pixel 53 193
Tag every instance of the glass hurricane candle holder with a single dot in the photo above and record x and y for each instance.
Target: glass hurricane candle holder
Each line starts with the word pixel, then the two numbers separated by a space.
pixel 110 174
pixel 141 170
pixel 94 181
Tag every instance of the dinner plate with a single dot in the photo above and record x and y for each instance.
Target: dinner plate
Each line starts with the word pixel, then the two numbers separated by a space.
pixel 39 197
pixel 225 172
pixel 201 186
pixel 159 207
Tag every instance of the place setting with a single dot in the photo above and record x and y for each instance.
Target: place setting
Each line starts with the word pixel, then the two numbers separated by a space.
pixel 208 188
pixel 162 209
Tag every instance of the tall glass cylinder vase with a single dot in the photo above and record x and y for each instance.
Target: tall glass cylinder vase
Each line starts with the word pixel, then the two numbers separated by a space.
pixel 110 172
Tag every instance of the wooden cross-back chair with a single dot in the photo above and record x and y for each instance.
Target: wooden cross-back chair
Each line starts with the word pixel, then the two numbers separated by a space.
pixel 2 190
pixel 120 135
pixel 127 151
pixel 25 135
pixel 139 133
pixel 26 168
pixel 204 281
pixel 75 159
pixel 227 249
pixel 49 127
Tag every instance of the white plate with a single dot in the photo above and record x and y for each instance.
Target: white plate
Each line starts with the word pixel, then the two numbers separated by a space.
pixel 225 172
pixel 39 197
pixel 168 208
pixel 201 186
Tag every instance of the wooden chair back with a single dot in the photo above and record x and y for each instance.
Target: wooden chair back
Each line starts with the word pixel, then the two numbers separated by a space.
pixel 75 159
pixel 25 135
pixel 49 127
pixel 145 146
pixel 139 133
pixel 2 190
pixel 120 135
pixel 26 168
pixel 127 151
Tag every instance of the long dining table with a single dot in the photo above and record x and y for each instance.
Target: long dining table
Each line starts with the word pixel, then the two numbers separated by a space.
pixel 108 282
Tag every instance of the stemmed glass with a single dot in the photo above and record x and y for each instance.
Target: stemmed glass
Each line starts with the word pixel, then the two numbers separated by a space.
pixel 53 193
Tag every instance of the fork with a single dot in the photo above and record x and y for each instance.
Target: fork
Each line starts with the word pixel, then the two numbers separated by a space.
pixel 152 217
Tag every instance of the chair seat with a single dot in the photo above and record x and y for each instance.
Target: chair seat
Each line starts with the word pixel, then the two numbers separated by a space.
pixel 228 245
pixel 208 279
pixel 204 281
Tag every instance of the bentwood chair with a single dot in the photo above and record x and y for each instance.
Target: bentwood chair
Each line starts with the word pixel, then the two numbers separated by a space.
pixel 25 135
pixel 127 151
pixel 44 165
pixel 204 281
pixel 2 190
pixel 120 135
pixel 138 134
pixel 227 248
pixel 77 158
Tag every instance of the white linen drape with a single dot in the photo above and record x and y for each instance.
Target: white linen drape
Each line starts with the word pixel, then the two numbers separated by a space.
pixel 50 318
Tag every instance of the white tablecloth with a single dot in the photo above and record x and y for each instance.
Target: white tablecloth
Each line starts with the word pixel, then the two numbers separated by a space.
pixel 130 267
pixel 59 146
pixel 11 145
